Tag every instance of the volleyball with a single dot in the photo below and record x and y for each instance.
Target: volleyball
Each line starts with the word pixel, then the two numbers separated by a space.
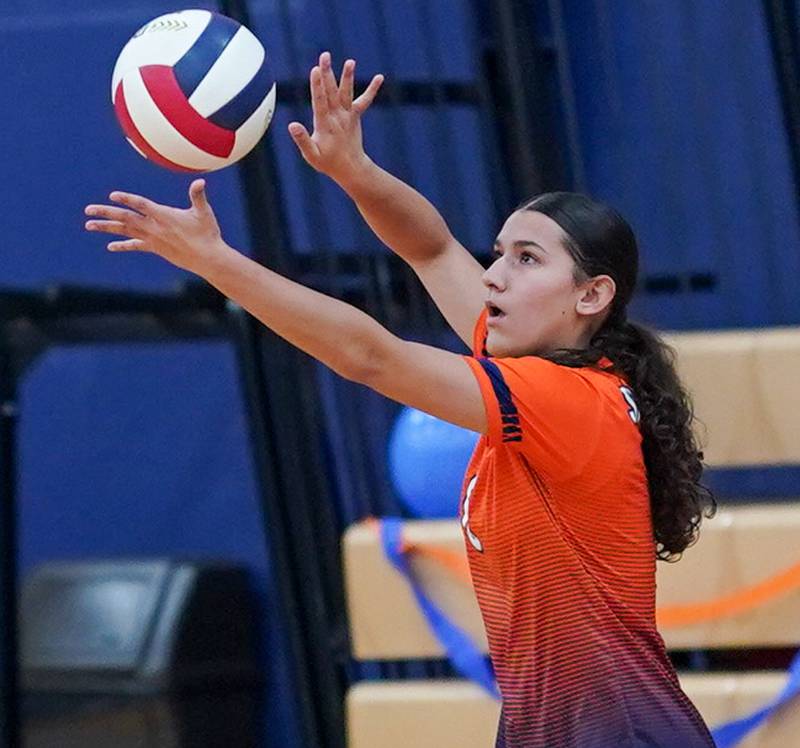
pixel 193 91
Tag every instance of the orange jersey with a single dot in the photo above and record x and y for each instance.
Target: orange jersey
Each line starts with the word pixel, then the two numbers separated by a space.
pixel 556 517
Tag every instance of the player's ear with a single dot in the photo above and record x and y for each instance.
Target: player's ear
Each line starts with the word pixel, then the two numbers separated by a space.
pixel 597 293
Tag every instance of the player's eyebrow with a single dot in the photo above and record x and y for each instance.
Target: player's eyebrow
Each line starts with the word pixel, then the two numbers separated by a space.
pixel 522 244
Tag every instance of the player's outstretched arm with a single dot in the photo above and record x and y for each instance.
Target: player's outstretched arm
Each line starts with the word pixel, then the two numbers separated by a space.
pixel 399 215
pixel 341 336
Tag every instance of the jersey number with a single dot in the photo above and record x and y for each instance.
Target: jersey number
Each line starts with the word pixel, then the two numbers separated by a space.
pixel 633 409
pixel 473 539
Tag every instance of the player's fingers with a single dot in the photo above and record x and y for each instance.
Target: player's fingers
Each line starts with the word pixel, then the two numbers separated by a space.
pixel 319 101
pixel 111 212
pixel 128 245
pixel 108 227
pixel 329 81
pixel 137 202
pixel 346 83
pixel 362 103
pixel 308 148
pixel 197 195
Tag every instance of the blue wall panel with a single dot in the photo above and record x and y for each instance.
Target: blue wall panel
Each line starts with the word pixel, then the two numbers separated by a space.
pixel 412 40
pixel 679 125
pixel 681 129
pixel 125 450
pixel 440 151
pixel 117 461
pixel 64 148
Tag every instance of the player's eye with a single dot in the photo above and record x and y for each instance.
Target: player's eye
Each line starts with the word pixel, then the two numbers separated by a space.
pixel 526 258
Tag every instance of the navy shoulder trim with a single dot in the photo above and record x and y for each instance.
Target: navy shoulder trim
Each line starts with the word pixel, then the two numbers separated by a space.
pixel 508 411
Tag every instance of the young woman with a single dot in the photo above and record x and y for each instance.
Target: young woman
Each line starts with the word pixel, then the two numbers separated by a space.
pixel 587 470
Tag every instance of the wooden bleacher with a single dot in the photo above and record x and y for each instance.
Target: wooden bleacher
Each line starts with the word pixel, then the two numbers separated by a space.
pixel 743 384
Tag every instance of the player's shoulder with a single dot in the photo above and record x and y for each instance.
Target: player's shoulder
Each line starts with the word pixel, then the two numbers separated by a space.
pixel 615 391
pixel 535 368
pixel 598 386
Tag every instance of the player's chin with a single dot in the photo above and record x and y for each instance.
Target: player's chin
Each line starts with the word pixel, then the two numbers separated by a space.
pixel 501 345
pixel 495 346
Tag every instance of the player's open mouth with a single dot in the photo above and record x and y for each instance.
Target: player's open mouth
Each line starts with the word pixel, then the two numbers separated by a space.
pixel 495 312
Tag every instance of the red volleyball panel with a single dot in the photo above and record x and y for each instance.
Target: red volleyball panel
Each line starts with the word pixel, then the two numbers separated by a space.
pixel 130 129
pixel 167 95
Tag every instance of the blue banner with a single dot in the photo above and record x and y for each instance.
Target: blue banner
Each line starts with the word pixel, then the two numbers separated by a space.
pixel 728 735
pixel 460 649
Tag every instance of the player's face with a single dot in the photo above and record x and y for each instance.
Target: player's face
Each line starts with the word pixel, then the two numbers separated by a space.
pixel 531 292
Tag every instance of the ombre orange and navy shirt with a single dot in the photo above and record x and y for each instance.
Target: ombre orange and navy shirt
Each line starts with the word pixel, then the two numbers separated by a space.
pixel 556 517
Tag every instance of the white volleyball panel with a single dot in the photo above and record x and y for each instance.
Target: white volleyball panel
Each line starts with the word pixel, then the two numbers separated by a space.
pixel 162 41
pixel 233 70
pixel 253 129
pixel 159 133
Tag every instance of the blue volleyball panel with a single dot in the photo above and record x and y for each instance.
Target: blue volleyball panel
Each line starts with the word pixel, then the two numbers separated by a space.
pixel 201 56
pixel 239 109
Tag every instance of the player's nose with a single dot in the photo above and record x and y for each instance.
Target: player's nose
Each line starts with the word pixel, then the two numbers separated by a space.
pixel 493 276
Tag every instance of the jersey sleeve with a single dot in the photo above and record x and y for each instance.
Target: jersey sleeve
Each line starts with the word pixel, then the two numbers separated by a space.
pixel 551 414
pixel 479 335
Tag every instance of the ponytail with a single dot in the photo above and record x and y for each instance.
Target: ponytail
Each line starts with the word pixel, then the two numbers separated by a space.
pixel 672 457
pixel 600 241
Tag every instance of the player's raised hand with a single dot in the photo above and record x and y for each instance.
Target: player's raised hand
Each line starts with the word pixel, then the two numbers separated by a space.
pixel 187 237
pixel 336 146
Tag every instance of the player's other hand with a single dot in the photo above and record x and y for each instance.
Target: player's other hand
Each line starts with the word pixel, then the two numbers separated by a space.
pixel 187 237
pixel 336 146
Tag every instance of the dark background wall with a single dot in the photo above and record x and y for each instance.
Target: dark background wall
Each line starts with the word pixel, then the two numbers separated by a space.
pixel 670 111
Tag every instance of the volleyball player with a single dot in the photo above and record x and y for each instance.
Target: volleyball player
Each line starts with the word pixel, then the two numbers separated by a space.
pixel 587 470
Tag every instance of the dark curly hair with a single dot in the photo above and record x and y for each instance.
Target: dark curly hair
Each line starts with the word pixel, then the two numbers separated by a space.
pixel 602 243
